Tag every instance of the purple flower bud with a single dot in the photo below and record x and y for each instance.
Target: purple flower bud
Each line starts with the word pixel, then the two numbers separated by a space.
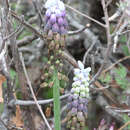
pixel 102 122
pixel 74 111
pixel 48 13
pixel 60 21
pixel 83 100
pixel 55 28
pixel 63 13
pixel 52 18
pixel 48 26
pixel 70 98
pixel 63 30
pixel 85 110
pixel 58 13
pixel 80 107
pixel 112 126
pixel 69 106
pixel 75 103
pixel 65 23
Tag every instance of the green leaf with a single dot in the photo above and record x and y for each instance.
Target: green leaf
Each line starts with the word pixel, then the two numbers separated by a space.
pixel 121 77
pixel 123 39
pixel 106 78
pixel 56 96
pixel 125 50
pixel 126 119
pixel 121 72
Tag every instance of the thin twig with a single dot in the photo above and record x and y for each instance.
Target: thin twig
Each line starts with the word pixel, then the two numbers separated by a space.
pixel 13 33
pixel 31 28
pixel 109 43
pixel 31 89
pixel 40 102
pixel 86 16
pixel 87 52
pixel 27 39
pixel 120 60
pixel 125 125
pixel 78 31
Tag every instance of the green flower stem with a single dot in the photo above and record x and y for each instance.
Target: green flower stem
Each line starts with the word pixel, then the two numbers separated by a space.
pixel 56 96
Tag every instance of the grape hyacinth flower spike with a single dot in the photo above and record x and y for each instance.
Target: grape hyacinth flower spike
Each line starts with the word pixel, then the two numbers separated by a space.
pixel 56 30
pixel 55 17
pixel 78 99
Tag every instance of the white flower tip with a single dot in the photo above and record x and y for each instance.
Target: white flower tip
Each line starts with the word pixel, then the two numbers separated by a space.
pixel 53 3
pixel 80 64
pixel 89 69
pixel 50 3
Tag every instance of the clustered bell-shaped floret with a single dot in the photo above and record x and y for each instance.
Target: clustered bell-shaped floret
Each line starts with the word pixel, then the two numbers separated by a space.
pixel 78 100
pixel 81 79
pixel 55 17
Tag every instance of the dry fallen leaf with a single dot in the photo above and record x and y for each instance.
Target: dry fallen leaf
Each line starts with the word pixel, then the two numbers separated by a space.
pixel 17 120
pixel 48 111
pixel 2 80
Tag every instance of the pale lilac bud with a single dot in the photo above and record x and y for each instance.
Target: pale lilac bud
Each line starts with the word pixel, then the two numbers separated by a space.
pixel 74 111
pixel 102 122
pixel 69 106
pixel 80 107
pixel 75 96
pixel 48 13
pixel 75 103
pixel 70 98
pixel 63 30
pixel 52 18
pixel 55 27
pixel 112 127
pixel 83 100
pixel 65 23
pixel 85 110
pixel 63 13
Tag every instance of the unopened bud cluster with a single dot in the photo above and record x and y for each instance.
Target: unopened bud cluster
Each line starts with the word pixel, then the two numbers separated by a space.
pixel 78 100
pixel 55 17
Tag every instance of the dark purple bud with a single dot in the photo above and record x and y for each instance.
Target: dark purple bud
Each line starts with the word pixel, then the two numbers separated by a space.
pixel 52 18
pixel 60 21
pixel 80 107
pixel 75 103
pixel 70 98
pixel 74 111
pixel 55 28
